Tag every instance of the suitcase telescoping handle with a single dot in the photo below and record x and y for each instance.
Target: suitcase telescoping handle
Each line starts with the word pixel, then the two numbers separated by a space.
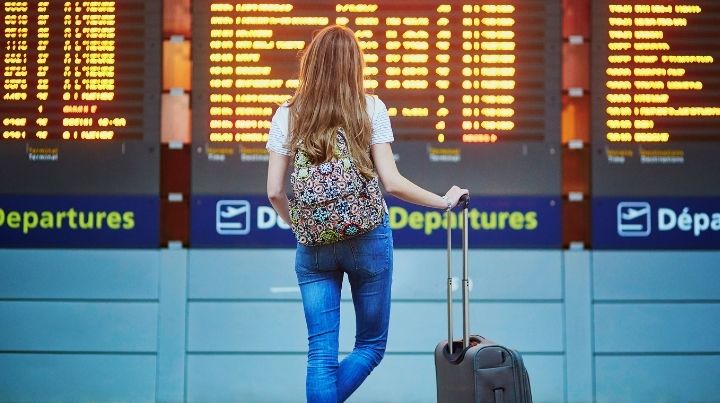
pixel 463 204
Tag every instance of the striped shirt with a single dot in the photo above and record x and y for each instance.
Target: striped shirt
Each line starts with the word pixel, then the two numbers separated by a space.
pixel 379 119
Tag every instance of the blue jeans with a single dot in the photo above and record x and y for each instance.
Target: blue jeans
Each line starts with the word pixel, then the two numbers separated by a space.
pixel 368 260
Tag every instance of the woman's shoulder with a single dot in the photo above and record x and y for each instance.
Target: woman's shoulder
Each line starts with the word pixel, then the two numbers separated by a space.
pixel 373 98
pixel 375 105
pixel 282 111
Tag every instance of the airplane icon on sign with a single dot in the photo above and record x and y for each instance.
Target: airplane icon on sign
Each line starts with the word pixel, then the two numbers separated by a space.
pixel 633 219
pixel 633 213
pixel 231 212
pixel 232 217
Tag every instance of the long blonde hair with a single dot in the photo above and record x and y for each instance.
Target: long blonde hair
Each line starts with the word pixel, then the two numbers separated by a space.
pixel 331 95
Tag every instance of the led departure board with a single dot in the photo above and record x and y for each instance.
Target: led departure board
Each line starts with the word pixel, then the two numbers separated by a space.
pixel 468 86
pixel 72 70
pixel 447 73
pixel 656 102
pixel 80 96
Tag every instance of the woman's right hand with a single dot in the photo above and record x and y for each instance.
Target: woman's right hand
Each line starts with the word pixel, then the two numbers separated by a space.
pixel 453 195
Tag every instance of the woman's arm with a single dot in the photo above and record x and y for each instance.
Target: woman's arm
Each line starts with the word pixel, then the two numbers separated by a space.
pixel 277 169
pixel 402 188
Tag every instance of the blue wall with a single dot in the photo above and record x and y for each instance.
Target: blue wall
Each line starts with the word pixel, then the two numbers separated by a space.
pixel 227 325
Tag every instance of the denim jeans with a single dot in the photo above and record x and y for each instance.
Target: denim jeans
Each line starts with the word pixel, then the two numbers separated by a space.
pixel 368 260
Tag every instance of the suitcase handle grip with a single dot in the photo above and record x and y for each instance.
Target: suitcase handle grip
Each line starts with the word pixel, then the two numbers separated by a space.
pixel 464 202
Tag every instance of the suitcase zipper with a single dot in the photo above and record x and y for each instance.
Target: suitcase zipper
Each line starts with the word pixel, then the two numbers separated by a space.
pixel 524 387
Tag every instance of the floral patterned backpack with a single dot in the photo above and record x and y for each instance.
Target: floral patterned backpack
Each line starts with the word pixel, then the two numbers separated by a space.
pixel 333 201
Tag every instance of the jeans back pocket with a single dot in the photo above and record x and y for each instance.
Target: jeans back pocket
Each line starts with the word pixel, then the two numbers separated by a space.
pixel 306 260
pixel 372 252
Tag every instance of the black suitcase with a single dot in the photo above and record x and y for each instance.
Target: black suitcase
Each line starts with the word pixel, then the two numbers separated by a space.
pixel 475 369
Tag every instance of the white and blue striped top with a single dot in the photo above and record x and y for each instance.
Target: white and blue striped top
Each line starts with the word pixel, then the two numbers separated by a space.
pixel 381 129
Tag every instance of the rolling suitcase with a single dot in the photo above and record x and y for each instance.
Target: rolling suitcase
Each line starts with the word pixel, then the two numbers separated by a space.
pixel 475 369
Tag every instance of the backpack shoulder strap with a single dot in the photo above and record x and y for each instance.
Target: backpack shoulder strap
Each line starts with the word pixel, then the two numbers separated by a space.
pixel 298 156
pixel 342 150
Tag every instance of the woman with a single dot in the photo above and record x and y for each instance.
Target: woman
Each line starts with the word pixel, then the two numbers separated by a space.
pixel 330 96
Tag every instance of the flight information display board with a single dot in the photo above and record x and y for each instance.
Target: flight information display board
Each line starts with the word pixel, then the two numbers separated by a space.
pixel 454 76
pixel 656 85
pixel 80 123
pixel 80 95
pixel 470 73
pixel 72 70
pixel 472 88
pixel 656 123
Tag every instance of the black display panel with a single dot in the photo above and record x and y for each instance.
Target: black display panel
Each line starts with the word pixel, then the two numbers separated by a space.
pixel 656 98
pixel 80 100
pixel 473 89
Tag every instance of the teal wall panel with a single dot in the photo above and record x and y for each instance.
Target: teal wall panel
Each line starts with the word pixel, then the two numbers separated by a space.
pixel 578 328
pixel 77 377
pixel 414 326
pixel 495 275
pixel 652 379
pixel 652 327
pixel 547 376
pixel 418 384
pixel 263 326
pixel 227 325
pixel 417 326
pixel 246 274
pixel 86 274
pixel 656 332
pixel 422 274
pixel 172 312
pixel 246 378
pixel 228 289
pixel 656 275
pixel 78 326
pixel 521 275
pixel 400 378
